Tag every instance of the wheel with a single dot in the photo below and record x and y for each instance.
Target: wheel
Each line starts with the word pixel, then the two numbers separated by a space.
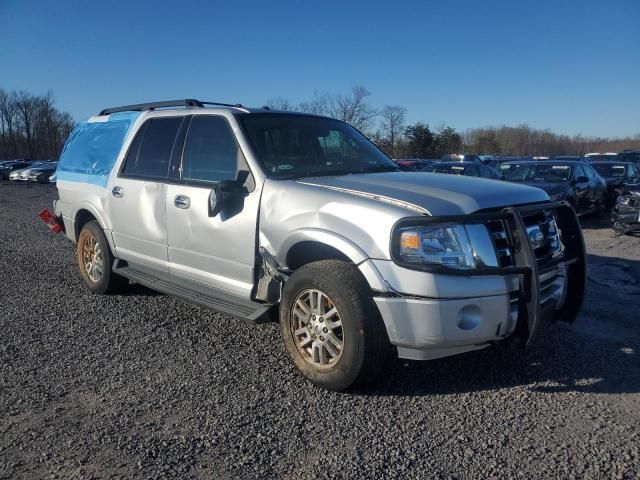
pixel 96 260
pixel 330 325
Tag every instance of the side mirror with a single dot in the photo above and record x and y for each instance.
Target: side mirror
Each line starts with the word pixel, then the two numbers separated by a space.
pixel 226 193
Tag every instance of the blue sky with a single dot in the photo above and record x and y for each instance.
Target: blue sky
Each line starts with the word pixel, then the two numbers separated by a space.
pixel 571 66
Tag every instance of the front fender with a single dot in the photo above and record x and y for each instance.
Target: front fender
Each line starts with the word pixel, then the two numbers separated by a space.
pixel 332 239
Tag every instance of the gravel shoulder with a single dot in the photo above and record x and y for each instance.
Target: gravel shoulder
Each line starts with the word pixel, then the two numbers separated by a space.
pixel 143 385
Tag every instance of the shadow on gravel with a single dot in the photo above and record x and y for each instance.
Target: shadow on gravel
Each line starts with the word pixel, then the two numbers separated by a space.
pixel 599 353
pixel 597 222
pixel 139 290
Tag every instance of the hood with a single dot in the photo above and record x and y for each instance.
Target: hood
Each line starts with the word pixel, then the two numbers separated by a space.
pixel 438 194
pixel 551 188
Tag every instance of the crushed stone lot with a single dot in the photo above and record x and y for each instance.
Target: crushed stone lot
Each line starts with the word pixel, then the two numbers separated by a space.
pixel 145 385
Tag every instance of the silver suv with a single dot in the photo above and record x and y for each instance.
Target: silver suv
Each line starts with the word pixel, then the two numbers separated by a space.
pixel 262 214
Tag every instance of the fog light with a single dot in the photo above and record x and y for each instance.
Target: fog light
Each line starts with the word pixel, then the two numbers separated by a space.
pixel 469 317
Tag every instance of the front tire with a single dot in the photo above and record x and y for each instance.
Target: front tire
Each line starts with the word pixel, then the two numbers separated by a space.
pixel 331 327
pixel 95 261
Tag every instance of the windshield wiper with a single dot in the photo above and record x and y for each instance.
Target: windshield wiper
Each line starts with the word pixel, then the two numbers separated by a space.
pixel 315 172
pixel 381 168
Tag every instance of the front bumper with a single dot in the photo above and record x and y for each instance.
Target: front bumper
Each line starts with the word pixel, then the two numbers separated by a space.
pixel 533 293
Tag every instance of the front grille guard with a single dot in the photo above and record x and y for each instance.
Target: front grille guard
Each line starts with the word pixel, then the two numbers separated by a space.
pixel 573 256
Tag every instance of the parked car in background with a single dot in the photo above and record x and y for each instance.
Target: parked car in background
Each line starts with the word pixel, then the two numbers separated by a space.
pixel 625 215
pixel 458 157
pixel 617 174
pixel 597 157
pixel 573 158
pixel 23 174
pixel 576 182
pixel 632 156
pixel 414 164
pixel 7 168
pixel 41 174
pixel 469 169
pixel 497 161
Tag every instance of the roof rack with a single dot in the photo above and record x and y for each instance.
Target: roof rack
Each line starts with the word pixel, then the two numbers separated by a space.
pixel 187 102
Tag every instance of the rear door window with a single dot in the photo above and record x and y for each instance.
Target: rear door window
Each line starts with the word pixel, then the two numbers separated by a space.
pixel 211 153
pixel 150 152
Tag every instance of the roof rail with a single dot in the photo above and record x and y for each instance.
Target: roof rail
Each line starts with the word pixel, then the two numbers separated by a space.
pixel 187 102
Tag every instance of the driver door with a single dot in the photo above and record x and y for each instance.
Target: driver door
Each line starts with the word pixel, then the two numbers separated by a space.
pixel 218 252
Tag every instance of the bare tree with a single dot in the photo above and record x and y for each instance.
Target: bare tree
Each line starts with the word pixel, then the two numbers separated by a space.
pixel 353 108
pixel 27 106
pixel 392 124
pixel 31 126
pixel 8 120
pixel 280 103
pixel 318 105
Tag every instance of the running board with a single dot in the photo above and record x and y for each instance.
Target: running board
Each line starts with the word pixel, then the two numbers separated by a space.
pixel 192 291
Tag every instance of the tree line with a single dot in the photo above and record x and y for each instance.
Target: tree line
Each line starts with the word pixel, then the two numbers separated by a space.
pixel 31 127
pixel 388 129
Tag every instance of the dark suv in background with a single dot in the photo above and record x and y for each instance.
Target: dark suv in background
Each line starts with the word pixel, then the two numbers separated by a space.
pixel 576 182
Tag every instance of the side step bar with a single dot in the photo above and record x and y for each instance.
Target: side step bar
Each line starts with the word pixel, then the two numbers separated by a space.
pixel 192 291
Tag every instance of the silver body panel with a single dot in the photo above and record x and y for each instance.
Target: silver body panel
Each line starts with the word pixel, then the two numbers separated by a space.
pixel 427 315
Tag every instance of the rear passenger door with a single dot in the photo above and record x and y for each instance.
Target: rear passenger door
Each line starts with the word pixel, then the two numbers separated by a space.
pixel 137 194
pixel 218 252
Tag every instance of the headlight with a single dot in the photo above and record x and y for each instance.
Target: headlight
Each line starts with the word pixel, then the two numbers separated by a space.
pixel 623 200
pixel 445 245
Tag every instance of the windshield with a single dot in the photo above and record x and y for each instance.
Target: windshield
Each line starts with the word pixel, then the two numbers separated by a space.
pixel 528 172
pixel 453 169
pixel 294 146
pixel 610 170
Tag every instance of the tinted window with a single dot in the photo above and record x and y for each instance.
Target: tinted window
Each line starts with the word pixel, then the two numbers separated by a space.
pixel 471 171
pixel 211 153
pixel 610 169
pixel 486 172
pixel 589 171
pixel 579 172
pixel 150 152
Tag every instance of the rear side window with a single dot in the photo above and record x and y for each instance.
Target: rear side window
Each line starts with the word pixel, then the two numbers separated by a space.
pixel 150 152
pixel 211 153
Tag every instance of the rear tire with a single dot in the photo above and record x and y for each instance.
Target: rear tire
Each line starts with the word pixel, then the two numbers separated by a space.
pixel 315 300
pixel 95 261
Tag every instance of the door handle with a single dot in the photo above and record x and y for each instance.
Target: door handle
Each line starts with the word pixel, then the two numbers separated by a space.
pixel 182 201
pixel 117 192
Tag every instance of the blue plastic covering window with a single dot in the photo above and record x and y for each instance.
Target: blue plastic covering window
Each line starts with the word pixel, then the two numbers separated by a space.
pixel 92 149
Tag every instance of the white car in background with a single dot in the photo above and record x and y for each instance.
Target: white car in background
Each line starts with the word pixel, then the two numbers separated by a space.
pixel 23 174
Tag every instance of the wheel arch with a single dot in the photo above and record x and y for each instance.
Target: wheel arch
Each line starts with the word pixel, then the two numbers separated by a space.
pixel 310 245
pixel 86 213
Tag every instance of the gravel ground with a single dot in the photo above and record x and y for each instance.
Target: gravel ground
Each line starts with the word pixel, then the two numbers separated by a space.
pixel 145 385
